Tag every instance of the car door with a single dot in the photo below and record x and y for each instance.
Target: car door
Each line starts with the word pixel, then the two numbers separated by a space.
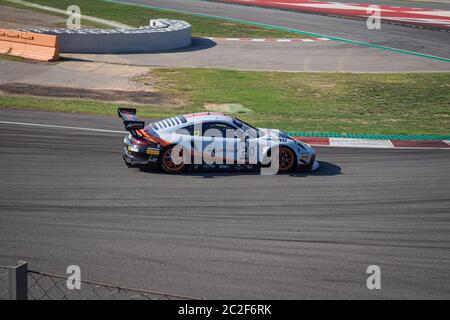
pixel 219 142
pixel 215 142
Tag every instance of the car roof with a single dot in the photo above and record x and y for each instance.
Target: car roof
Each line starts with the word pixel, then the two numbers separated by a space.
pixel 187 119
pixel 207 116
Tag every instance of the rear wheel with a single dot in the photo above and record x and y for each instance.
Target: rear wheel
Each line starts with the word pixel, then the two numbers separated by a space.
pixel 168 164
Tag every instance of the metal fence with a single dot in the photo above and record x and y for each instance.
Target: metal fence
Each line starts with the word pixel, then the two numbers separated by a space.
pixel 19 283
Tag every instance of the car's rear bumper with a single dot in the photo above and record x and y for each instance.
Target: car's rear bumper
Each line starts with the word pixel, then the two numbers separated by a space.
pixel 138 159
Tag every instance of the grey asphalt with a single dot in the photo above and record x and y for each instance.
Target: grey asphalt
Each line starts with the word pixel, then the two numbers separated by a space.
pixel 319 56
pixel 67 198
pixel 423 41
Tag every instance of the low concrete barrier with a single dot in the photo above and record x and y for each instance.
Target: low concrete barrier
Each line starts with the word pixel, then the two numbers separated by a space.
pixel 29 45
pixel 162 35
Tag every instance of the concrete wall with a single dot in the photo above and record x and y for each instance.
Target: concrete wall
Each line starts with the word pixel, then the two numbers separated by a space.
pixel 163 35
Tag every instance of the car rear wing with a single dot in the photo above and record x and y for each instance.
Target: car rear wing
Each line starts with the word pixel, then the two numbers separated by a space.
pixel 130 120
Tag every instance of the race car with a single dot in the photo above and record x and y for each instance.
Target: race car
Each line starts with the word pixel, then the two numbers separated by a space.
pixel 211 140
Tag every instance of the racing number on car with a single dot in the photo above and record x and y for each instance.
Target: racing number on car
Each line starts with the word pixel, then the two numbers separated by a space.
pixel 248 152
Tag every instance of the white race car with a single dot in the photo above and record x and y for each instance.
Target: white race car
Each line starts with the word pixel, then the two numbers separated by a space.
pixel 211 140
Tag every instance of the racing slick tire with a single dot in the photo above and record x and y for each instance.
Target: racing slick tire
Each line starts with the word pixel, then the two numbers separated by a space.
pixel 287 160
pixel 167 163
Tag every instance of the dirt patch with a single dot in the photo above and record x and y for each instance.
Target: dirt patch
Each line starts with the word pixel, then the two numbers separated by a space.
pixel 227 108
pixel 76 74
pixel 139 97
pixel 15 18
pixel 322 85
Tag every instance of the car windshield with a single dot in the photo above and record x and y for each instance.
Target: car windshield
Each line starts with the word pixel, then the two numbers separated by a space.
pixel 248 129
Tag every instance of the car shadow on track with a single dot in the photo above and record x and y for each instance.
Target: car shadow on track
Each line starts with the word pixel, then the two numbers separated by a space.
pixel 197 44
pixel 326 169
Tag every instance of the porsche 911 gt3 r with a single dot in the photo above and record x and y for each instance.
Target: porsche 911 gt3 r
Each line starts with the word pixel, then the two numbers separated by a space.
pixel 210 140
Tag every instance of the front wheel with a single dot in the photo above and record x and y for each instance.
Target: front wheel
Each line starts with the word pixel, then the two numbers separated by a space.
pixel 167 161
pixel 287 160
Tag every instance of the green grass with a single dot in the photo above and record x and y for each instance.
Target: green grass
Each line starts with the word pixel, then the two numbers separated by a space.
pixel 83 106
pixel 310 102
pixel 20 59
pixel 324 102
pixel 139 16
pixel 11 58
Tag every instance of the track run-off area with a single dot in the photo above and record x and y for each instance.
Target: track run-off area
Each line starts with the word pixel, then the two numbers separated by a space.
pixel 67 198
pixel 406 14
pixel 409 40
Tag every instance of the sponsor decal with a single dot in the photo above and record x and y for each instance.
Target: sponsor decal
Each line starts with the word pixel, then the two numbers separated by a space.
pixel 153 152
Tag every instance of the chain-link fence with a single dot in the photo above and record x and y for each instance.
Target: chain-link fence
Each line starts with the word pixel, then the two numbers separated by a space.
pixel 34 285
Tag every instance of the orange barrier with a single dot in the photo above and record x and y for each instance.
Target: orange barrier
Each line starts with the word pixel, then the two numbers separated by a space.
pixel 29 45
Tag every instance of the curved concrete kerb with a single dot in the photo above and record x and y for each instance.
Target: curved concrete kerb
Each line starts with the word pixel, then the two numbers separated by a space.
pixel 162 34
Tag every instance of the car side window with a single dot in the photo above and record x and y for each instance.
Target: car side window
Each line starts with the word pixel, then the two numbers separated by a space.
pixel 221 126
pixel 186 131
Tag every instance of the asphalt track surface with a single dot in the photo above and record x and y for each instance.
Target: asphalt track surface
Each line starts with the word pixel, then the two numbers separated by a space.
pixel 318 56
pixel 67 198
pixel 430 42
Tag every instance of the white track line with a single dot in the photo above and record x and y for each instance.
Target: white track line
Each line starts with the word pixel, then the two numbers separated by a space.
pixel 337 142
pixel 59 127
pixel 392 145
pixel 361 143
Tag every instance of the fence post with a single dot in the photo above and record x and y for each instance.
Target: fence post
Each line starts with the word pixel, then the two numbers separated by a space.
pixel 18 281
